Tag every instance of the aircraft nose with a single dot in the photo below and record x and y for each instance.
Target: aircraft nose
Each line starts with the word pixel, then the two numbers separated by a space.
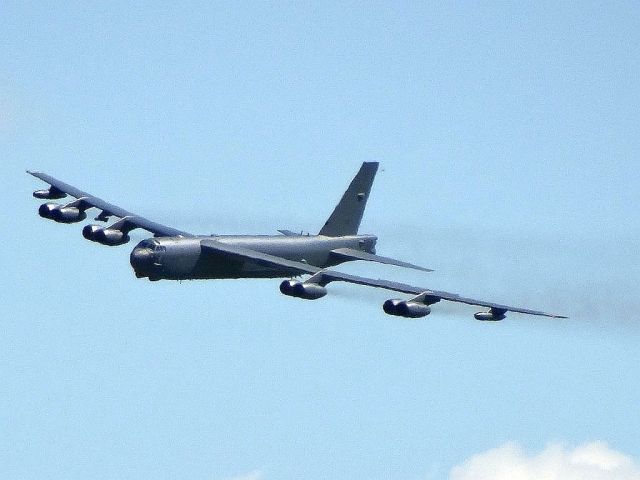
pixel 142 260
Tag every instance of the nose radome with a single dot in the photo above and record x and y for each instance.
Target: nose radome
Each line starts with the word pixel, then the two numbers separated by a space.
pixel 141 259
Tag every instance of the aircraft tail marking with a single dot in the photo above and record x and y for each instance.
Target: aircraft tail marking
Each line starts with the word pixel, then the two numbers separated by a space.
pixel 346 217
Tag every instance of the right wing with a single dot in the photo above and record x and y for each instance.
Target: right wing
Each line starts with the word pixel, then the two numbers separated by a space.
pixel 75 209
pixel 322 277
pixel 425 295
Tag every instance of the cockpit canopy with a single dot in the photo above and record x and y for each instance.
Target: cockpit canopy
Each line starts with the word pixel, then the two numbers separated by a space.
pixel 151 244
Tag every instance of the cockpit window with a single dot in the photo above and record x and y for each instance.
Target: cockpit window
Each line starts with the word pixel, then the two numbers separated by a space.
pixel 149 243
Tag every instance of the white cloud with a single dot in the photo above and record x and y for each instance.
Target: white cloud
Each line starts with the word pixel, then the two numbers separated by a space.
pixel 254 475
pixel 592 461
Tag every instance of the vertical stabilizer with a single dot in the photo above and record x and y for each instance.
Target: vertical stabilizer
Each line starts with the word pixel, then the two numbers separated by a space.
pixel 347 215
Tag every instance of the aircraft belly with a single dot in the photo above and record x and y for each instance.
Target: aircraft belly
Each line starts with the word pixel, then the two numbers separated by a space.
pixel 219 267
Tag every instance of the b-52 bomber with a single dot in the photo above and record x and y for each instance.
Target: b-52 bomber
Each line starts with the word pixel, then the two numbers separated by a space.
pixel 172 254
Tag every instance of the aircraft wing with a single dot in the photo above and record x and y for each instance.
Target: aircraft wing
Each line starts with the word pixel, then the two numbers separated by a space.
pixel 323 277
pixel 422 293
pixel 128 221
pixel 352 254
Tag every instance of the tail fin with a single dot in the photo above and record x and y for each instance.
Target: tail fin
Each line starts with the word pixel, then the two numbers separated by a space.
pixel 347 215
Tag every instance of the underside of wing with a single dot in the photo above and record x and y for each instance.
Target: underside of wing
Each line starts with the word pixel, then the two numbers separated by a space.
pixel 315 286
pixel 289 233
pixel 75 211
pixel 419 304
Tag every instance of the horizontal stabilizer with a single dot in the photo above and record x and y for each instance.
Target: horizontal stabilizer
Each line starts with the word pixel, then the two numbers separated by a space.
pixel 351 254
pixel 289 233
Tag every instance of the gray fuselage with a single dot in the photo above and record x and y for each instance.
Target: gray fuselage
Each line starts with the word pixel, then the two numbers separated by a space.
pixel 183 258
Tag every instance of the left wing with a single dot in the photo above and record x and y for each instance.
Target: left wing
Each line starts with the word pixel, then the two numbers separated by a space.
pixel 314 287
pixel 74 211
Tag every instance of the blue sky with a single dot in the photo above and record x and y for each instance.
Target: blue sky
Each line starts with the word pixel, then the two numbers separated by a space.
pixel 508 136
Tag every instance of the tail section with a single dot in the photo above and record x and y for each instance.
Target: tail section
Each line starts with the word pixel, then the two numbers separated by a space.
pixel 346 217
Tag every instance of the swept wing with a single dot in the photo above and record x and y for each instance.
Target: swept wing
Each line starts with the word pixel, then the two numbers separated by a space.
pixel 128 221
pixel 320 277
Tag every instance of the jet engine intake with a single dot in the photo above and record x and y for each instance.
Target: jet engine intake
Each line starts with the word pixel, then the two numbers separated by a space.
pixel 407 309
pixel 308 291
pixel 46 210
pixel 89 232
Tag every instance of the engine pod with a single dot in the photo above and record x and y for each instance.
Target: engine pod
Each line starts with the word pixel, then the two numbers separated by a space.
pixel 407 309
pixel 390 306
pixel 89 232
pixel 413 309
pixel 111 236
pixel 68 215
pixel 309 291
pixel 46 210
pixel 52 193
pixel 286 287
pixel 493 315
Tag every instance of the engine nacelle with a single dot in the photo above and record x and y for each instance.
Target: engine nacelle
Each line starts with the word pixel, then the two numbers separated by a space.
pixel 308 291
pixel 111 237
pixel 49 194
pixel 61 214
pixel 390 306
pixel 407 309
pixel 89 232
pixel 286 287
pixel 68 215
pixel 46 210
pixel 490 316
pixel 105 236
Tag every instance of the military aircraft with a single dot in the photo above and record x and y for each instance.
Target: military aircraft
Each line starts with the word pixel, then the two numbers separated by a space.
pixel 176 255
